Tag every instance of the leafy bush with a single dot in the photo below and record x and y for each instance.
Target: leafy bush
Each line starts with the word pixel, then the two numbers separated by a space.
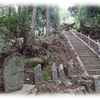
pixel 45 76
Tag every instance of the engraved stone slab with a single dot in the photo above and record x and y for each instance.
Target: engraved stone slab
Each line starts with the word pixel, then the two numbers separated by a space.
pixel 96 83
pixel 54 72
pixel 61 71
pixel 13 72
pixel 38 75
pixel 70 68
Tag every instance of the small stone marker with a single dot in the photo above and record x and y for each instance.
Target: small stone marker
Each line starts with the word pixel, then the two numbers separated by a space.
pixel 70 68
pixel 54 72
pixel 61 71
pixel 13 72
pixel 38 75
pixel 96 83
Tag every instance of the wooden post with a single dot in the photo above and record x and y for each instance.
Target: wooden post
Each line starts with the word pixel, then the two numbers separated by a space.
pixel 88 40
pixel 81 35
pixel 98 45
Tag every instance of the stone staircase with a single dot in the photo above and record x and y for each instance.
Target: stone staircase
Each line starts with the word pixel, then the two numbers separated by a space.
pixel 90 61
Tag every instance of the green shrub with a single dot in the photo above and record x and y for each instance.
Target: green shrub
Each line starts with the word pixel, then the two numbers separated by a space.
pixel 45 76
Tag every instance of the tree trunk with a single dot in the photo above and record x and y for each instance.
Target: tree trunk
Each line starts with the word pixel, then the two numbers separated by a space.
pixel 33 20
pixel 47 20
pixel 9 23
pixel 26 32
pixel 19 12
pixel 58 21
pixel 18 27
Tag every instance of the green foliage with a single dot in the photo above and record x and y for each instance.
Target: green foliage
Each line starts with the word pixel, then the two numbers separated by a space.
pixel 45 75
pixel 3 36
pixel 73 10
pixel 50 59
pixel 89 14
pixel 44 39
pixel 18 18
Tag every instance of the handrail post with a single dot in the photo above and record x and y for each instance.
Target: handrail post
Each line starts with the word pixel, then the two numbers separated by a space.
pixel 88 40
pixel 81 35
pixel 98 45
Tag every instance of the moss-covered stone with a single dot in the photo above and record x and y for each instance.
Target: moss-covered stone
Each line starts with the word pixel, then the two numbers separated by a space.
pixel 33 61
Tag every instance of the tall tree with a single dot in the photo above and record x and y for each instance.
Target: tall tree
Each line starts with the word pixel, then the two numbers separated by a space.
pixel 19 12
pixel 9 22
pixel 33 20
pixel 47 20
pixel 58 21
pixel 26 31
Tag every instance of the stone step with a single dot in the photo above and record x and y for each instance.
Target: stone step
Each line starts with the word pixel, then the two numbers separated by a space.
pixel 89 59
pixel 92 67
pixel 91 62
pixel 84 53
pixel 93 71
pixel 27 89
pixel 77 43
pixel 82 48
pixel 72 38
